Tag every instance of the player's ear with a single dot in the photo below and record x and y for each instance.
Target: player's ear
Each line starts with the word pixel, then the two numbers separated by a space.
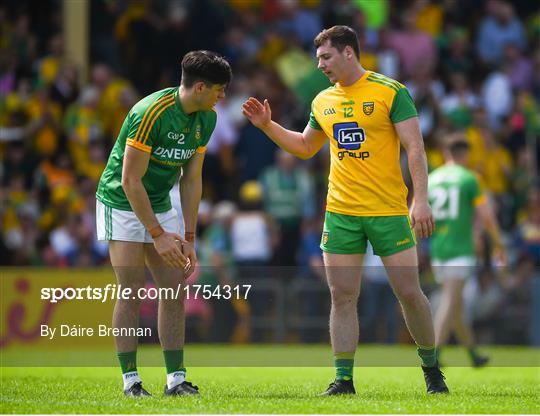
pixel 199 86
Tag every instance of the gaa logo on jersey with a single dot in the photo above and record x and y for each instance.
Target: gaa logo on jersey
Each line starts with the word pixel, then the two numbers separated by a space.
pixel 349 136
pixel 368 107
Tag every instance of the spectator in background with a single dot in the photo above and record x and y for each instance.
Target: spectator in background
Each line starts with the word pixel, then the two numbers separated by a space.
pixel 253 241
pixel 288 198
pixel 528 233
pixel 488 157
pixel 49 66
pixel 300 23
pixel 16 162
pixel 64 235
pixel 429 17
pixel 427 92
pixel 219 165
pixel 387 58
pixel 412 45
pixel 519 68
pixel 497 97
pixel 65 87
pixel 459 102
pixel 253 236
pixel 127 97
pixel 110 88
pixel 45 127
pixel 499 28
pixel 456 56
pixel 83 125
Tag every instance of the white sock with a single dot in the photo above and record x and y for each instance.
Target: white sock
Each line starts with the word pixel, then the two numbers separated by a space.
pixel 176 378
pixel 130 379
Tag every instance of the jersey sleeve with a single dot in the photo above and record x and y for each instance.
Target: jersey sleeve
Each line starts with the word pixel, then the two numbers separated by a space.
pixel 403 106
pixel 141 131
pixel 313 123
pixel 208 130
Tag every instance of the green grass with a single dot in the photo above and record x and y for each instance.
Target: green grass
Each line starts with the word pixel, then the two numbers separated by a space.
pixel 270 390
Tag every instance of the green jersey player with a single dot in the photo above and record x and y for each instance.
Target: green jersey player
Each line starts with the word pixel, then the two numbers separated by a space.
pixel 164 134
pixel 456 198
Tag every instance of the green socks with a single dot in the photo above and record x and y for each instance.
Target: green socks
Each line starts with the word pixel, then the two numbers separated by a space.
pixel 174 362
pixel 344 363
pixel 128 364
pixel 128 361
pixel 428 356
pixel 473 354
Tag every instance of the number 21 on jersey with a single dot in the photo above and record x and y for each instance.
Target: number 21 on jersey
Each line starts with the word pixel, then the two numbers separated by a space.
pixel 445 202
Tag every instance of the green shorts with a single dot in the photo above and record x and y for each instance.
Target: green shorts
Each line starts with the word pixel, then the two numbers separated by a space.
pixel 348 234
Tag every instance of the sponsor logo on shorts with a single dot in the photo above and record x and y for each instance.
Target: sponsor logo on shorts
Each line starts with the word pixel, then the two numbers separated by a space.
pixel 403 242
pixel 325 237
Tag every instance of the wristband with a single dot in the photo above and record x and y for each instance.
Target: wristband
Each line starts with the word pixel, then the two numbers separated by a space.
pixel 156 231
pixel 190 237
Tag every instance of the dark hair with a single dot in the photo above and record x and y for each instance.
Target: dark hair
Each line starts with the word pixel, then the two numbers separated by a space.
pixel 458 147
pixel 339 37
pixel 205 66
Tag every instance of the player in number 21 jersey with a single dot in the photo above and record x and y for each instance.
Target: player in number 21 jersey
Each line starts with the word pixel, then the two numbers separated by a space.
pixel 456 197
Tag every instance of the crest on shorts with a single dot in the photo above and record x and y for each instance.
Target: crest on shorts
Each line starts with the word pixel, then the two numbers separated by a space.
pixel 325 238
pixel 368 107
pixel 198 132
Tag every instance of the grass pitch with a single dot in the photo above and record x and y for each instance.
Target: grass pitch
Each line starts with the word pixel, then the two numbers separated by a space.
pixel 271 390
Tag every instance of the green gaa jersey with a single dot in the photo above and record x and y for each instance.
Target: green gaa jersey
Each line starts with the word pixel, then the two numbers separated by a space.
pixel 157 125
pixel 453 194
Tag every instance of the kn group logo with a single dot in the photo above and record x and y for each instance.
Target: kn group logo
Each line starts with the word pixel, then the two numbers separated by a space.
pixel 349 136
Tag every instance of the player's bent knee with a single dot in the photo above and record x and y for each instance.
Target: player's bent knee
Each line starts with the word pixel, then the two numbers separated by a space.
pixel 411 297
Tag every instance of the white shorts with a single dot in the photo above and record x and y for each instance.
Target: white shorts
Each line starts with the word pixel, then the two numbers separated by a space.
pixel 119 225
pixel 456 268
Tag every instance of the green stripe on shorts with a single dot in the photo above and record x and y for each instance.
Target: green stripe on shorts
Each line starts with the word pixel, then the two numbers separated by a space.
pixel 108 222
pixel 349 234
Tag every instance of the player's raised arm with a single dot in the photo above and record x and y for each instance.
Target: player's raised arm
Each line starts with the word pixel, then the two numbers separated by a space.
pixel 410 136
pixel 303 145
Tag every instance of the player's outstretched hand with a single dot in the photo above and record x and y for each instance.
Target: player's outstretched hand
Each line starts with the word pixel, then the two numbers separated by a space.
pixel 422 219
pixel 167 247
pixel 258 113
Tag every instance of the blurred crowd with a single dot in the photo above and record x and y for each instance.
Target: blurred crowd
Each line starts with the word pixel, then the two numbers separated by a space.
pixel 470 65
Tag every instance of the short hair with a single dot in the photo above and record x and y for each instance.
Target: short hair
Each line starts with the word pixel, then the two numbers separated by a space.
pixel 205 66
pixel 339 37
pixel 457 146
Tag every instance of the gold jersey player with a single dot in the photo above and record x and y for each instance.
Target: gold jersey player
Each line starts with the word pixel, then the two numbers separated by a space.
pixel 365 116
